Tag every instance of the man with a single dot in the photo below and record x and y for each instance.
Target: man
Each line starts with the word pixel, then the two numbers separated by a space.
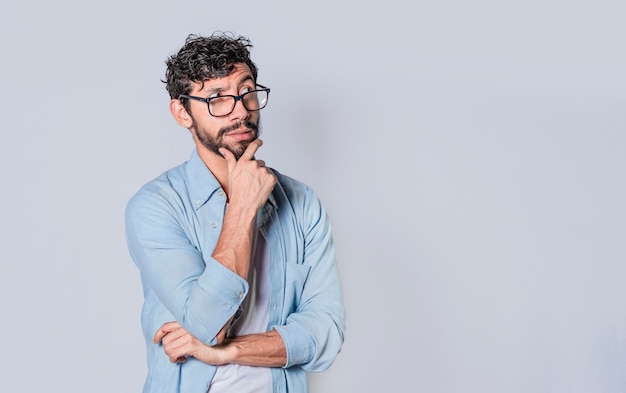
pixel 242 291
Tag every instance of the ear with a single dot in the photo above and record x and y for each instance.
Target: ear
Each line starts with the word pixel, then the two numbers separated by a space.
pixel 180 114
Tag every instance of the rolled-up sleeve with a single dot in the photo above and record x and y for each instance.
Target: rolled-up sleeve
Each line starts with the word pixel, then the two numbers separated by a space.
pixel 198 291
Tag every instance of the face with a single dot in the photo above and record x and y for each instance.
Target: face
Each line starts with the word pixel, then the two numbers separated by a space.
pixel 234 131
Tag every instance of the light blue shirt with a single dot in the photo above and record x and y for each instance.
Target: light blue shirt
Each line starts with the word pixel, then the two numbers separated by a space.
pixel 172 227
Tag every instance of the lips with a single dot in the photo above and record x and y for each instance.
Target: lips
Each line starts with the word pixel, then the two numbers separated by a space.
pixel 241 135
pixel 241 131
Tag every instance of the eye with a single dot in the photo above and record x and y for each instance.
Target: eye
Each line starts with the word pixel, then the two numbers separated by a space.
pixel 245 90
pixel 213 95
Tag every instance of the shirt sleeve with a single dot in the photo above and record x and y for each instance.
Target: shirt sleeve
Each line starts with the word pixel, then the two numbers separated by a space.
pixel 314 332
pixel 200 293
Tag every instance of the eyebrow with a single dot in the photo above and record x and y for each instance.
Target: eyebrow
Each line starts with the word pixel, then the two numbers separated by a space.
pixel 218 89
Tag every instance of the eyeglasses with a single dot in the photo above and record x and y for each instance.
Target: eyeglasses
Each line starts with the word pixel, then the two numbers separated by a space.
pixel 254 100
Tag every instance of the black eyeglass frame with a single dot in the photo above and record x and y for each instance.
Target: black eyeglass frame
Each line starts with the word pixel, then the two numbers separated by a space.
pixel 236 98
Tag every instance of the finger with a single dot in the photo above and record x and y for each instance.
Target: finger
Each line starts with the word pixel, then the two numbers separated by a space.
pixel 178 359
pixel 251 149
pixel 174 354
pixel 231 161
pixel 173 337
pixel 177 347
pixel 158 336
pixel 165 329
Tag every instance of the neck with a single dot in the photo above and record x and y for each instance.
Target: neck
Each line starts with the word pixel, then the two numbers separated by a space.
pixel 216 164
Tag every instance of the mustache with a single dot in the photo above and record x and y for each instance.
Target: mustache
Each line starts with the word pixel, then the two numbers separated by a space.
pixel 245 123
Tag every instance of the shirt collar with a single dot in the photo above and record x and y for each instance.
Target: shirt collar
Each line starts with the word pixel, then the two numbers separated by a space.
pixel 203 184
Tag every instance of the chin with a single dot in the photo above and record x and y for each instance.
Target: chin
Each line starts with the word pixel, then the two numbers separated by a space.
pixel 241 146
pixel 239 149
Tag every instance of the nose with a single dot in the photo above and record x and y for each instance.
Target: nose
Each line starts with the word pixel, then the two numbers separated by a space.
pixel 239 111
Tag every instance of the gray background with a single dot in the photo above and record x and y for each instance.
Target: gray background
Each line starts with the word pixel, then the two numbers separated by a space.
pixel 471 155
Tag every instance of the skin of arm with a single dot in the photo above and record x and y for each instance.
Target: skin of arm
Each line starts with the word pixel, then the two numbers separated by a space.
pixel 249 186
pixel 262 349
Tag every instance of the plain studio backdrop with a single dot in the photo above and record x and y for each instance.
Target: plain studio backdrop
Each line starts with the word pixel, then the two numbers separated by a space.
pixel 471 156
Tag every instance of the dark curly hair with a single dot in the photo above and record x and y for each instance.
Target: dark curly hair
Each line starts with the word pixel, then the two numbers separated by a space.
pixel 204 58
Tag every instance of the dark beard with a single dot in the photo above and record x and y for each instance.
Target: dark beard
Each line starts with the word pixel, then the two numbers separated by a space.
pixel 214 144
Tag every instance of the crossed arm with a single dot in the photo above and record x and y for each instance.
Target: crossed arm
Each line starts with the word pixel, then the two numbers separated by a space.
pixel 263 349
pixel 203 295
pixel 249 186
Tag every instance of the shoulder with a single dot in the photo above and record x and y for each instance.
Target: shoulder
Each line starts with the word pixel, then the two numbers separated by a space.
pixel 299 196
pixel 168 189
pixel 291 186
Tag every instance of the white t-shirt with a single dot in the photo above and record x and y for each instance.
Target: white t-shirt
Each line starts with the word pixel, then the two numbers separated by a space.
pixel 246 379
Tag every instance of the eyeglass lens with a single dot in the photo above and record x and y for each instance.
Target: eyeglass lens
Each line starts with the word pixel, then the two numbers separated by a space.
pixel 252 101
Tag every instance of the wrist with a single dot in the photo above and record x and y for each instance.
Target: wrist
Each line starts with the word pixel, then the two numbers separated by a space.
pixel 225 354
pixel 241 213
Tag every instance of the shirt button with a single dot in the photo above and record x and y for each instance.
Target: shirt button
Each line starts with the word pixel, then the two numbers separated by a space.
pixel 240 294
pixel 213 225
pixel 220 193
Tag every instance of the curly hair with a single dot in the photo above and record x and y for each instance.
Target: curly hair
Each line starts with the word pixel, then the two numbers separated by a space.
pixel 204 58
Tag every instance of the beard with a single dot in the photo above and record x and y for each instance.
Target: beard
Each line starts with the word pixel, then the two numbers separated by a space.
pixel 215 143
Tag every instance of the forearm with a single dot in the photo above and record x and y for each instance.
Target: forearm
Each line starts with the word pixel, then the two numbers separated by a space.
pixel 264 350
pixel 235 242
pixel 249 184
pixel 260 350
